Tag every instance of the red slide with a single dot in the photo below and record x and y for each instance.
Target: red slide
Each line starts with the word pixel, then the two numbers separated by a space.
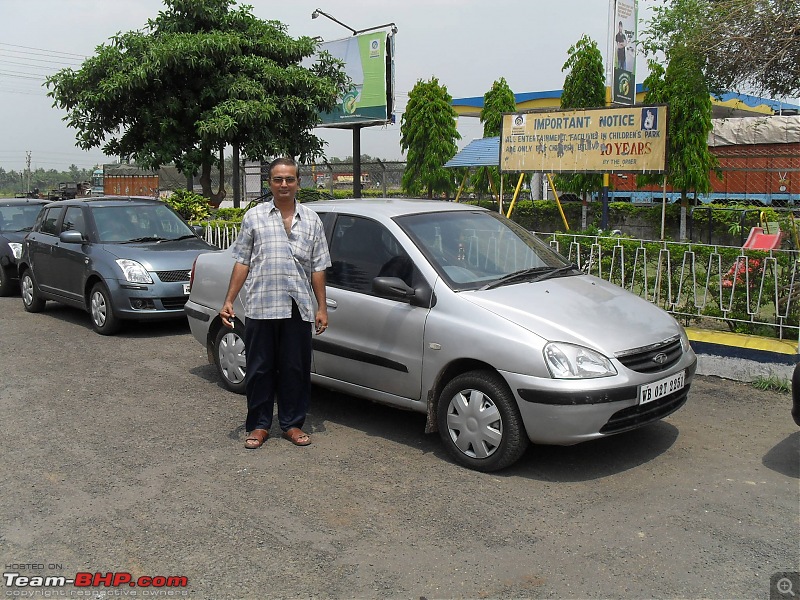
pixel 758 240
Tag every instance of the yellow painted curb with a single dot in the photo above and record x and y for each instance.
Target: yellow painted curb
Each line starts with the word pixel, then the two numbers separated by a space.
pixel 741 340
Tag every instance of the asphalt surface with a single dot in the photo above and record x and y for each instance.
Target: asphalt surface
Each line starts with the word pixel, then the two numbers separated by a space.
pixel 125 455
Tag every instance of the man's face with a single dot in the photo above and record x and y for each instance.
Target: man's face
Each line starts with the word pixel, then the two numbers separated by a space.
pixel 284 182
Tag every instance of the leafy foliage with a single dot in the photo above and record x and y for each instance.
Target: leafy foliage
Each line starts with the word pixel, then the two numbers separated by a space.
pixel 689 123
pixel 201 75
pixel 428 133
pixel 584 87
pixel 498 100
pixel 190 205
pixel 749 45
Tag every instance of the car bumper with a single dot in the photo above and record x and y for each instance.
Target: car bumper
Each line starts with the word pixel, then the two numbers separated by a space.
pixel 143 302
pixel 200 318
pixel 563 412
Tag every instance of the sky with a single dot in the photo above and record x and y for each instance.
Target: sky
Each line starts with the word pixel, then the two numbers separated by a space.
pixel 465 44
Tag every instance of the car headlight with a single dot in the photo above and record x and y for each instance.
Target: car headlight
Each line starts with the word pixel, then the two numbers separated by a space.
pixel 685 344
pixel 16 249
pixel 134 271
pixel 568 361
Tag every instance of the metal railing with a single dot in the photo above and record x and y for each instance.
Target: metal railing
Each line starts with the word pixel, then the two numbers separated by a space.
pixel 745 290
pixel 704 284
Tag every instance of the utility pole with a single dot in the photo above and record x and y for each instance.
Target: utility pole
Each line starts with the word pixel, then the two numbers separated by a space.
pixel 28 170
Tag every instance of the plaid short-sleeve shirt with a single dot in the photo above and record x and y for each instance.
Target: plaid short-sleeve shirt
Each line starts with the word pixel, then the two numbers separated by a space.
pixel 280 265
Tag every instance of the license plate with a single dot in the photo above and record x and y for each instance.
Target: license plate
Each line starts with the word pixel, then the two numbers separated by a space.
pixel 186 289
pixel 662 387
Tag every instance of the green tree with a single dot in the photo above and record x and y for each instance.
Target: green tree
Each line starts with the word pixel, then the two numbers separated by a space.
pixel 200 76
pixel 584 87
pixel 752 45
pixel 498 100
pixel 690 161
pixel 428 135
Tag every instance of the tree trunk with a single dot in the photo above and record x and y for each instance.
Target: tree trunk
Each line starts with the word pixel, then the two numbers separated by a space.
pixel 214 198
pixel 684 206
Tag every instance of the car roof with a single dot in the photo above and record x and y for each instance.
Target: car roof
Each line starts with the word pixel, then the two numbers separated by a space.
pixel 21 201
pixel 388 207
pixel 103 201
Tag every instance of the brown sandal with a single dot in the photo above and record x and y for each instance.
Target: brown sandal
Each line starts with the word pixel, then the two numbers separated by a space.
pixel 297 436
pixel 256 438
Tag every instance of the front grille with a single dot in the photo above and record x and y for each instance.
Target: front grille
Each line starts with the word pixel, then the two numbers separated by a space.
pixel 174 303
pixel 636 416
pixel 171 276
pixel 653 358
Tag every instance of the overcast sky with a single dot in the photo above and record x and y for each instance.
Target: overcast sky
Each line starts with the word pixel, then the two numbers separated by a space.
pixel 466 44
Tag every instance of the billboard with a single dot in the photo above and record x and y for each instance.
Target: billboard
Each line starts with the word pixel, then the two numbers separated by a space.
pixel 621 139
pixel 369 62
pixel 623 43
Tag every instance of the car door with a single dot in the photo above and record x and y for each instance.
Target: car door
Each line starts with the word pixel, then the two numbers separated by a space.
pixel 40 243
pixel 373 342
pixel 69 260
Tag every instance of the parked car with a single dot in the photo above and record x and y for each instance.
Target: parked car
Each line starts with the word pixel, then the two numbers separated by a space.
pixel 117 258
pixel 459 313
pixel 17 216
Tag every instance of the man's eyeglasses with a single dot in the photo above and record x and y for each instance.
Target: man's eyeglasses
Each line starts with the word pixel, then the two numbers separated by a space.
pixel 280 180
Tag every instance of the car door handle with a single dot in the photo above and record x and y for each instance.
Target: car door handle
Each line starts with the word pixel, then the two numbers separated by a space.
pixel 330 303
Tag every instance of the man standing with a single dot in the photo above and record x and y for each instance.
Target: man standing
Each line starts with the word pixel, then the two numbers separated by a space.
pixel 622 41
pixel 281 256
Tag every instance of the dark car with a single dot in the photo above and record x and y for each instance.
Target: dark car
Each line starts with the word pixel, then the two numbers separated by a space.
pixel 17 216
pixel 118 258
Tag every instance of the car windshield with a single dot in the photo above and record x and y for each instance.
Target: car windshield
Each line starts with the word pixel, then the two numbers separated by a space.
pixel 130 223
pixel 481 249
pixel 18 218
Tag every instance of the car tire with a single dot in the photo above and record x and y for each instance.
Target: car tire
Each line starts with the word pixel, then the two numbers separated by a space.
pixel 31 300
pixel 101 311
pixel 6 283
pixel 479 422
pixel 229 357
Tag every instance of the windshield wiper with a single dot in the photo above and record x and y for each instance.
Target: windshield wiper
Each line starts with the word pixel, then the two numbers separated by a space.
pixel 183 237
pixel 532 275
pixel 147 238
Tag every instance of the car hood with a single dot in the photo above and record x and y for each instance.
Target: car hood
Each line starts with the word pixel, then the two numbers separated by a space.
pixel 580 309
pixel 161 256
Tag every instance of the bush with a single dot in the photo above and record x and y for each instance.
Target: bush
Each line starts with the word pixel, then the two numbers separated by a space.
pixel 189 205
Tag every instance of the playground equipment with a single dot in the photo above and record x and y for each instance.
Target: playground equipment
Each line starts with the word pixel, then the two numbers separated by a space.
pixel 765 238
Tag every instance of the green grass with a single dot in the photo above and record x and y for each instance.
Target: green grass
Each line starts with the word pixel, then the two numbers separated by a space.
pixel 772 383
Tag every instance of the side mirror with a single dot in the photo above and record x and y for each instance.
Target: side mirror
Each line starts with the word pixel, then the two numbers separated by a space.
pixel 395 288
pixel 71 237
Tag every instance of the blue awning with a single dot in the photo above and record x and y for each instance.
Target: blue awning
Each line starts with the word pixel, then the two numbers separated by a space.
pixel 484 152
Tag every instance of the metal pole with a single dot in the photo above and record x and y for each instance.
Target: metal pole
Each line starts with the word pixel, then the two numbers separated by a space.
pixel 357 161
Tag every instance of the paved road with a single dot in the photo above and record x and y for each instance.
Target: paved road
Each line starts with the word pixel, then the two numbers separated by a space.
pixel 125 455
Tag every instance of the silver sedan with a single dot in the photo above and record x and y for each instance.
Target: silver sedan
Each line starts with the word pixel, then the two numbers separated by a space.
pixel 457 312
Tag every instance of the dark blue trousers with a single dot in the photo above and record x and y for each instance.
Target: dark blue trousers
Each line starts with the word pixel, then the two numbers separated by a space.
pixel 278 363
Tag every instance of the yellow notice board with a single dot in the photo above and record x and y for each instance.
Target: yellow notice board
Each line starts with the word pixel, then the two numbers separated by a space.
pixel 624 139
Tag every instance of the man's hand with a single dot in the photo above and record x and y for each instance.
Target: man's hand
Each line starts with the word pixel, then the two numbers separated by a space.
pixel 227 314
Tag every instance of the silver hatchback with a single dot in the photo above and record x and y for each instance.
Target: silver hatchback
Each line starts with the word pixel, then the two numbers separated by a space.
pixel 457 312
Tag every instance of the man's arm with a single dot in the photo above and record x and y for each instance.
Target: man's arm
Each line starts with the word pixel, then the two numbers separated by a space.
pixel 238 277
pixel 318 286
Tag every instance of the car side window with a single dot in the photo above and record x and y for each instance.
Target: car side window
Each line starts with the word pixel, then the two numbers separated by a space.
pixel 50 220
pixel 362 249
pixel 74 221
